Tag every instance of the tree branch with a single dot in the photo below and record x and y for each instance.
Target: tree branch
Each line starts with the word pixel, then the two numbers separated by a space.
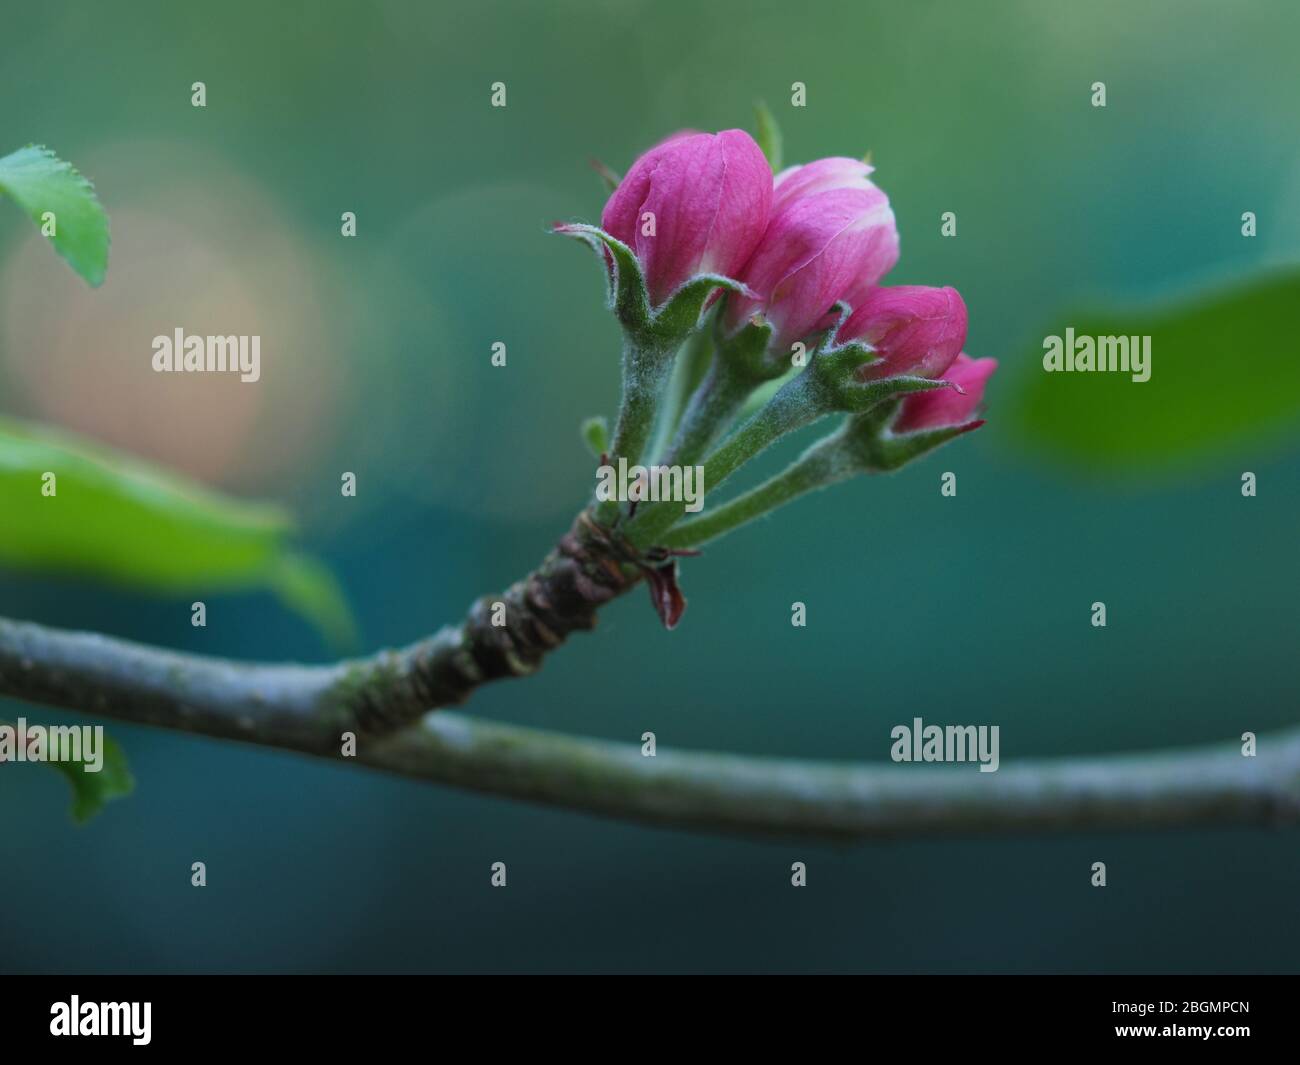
pixel 805 799
pixel 383 698
pixel 307 708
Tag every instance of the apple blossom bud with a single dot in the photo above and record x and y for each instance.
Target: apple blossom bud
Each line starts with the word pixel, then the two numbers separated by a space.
pixel 831 229
pixel 915 330
pixel 947 406
pixel 694 203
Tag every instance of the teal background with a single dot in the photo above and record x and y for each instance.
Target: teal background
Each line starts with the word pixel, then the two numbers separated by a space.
pixel 376 360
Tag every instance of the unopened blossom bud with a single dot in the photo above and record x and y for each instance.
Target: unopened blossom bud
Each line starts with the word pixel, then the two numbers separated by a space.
pixel 695 203
pixel 947 406
pixel 915 330
pixel 830 228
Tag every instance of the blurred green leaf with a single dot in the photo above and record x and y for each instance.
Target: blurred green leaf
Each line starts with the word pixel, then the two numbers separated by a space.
pixel 39 182
pixel 90 791
pixel 122 520
pixel 309 589
pixel 768 135
pixel 1225 378
pixel 595 434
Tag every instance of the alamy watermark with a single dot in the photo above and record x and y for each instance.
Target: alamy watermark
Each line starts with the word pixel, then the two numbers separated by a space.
pixel 1071 354
pixel 53 743
pixel 651 484
pixel 946 743
pixel 102 1018
pixel 208 354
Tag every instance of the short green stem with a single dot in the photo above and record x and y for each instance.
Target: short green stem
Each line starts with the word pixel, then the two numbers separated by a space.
pixel 794 406
pixel 692 366
pixel 646 366
pixel 825 463
pixel 713 407
pixel 797 404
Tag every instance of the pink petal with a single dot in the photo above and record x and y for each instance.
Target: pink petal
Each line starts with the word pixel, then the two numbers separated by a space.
pixel 814 248
pixel 914 328
pixel 710 196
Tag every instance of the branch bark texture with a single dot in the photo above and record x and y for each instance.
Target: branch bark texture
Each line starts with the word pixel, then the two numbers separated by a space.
pixel 385 699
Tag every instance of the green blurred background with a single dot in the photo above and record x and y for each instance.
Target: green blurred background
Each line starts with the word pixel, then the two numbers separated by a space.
pixel 375 356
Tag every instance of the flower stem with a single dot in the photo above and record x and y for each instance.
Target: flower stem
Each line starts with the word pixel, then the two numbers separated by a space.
pixel 691 369
pixel 714 404
pixel 793 407
pixel 821 465
pixel 646 366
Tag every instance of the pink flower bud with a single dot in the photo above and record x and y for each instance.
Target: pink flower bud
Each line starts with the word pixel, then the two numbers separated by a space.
pixel 946 406
pixel 915 330
pixel 831 228
pixel 694 203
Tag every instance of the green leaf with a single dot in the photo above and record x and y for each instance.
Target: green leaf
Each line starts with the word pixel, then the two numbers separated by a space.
pixel 768 135
pixel 90 791
pixel 1225 380
pixel 40 182
pixel 121 520
pixel 308 588
pixel 595 433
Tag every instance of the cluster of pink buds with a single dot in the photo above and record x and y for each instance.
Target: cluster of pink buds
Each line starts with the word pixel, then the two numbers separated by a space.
pixel 798 257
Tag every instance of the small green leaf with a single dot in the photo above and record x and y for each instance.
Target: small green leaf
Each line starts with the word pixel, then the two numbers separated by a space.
pixel 90 791
pixel 73 507
pixel 595 433
pixel 769 135
pixel 1225 379
pixel 54 194
pixel 307 587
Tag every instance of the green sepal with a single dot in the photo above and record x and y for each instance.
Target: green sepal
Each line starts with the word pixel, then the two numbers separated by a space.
pixel 844 361
pixel 831 340
pixel 768 135
pixel 609 177
pixel 681 312
pixel 897 451
pixel 745 353
pixel 874 449
pixel 629 298
pixel 837 378
pixel 627 295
